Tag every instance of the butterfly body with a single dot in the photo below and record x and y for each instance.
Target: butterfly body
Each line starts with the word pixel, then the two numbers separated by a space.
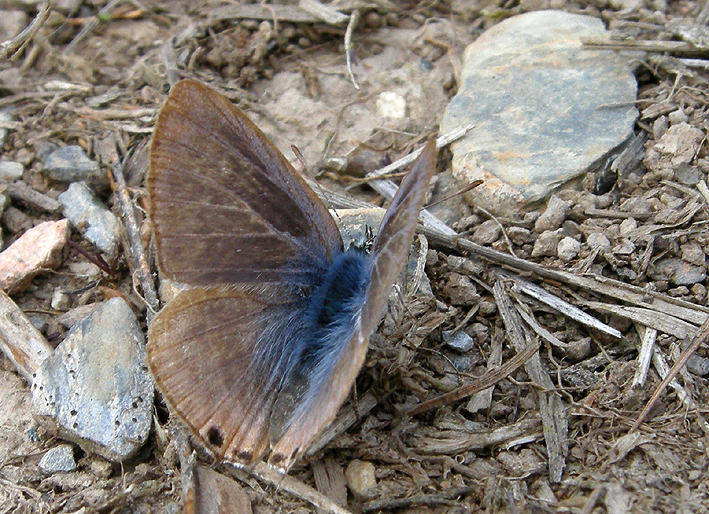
pixel 263 347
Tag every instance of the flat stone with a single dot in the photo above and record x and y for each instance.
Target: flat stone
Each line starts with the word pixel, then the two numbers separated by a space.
pixel 58 459
pixel 96 223
pixel 11 171
pixel 95 389
pixel 544 109
pixel 69 164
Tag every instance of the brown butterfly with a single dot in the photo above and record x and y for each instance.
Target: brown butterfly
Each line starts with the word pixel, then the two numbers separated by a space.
pixel 263 347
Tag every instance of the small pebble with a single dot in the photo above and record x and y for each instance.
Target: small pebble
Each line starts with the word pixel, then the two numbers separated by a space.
pixel 553 216
pixel 37 250
pixel 361 479
pixel 599 241
pixel 698 365
pixel 677 116
pixel 11 171
pixel 16 221
pixel 487 233
pixel 462 290
pixel 568 249
pixel 693 253
pixel 391 105
pixel 546 244
pixel 458 340
pixel 58 459
pixel 519 235
pixel 60 300
pixel 678 272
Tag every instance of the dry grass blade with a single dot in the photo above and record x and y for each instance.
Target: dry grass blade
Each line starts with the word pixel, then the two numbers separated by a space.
pixel 647 346
pixel 14 46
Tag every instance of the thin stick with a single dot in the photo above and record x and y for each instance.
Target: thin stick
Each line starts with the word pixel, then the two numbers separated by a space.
pixel 142 269
pixel 489 379
pixel 354 21
pixel 15 45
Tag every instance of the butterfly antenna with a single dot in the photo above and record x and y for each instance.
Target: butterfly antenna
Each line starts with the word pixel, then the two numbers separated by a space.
pixel 322 195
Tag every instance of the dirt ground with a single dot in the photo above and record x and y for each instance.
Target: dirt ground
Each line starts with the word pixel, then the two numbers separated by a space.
pixel 95 76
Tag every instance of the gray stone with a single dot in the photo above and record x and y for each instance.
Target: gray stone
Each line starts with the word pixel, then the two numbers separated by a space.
pixel 678 272
pixel 544 108
pixel 91 218
pixel 58 459
pixel 458 340
pixel 11 171
pixel 553 216
pixel 568 249
pixel 69 164
pixel 95 389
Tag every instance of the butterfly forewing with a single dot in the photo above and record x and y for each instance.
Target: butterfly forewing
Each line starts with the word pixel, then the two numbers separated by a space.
pixel 391 248
pixel 219 355
pixel 225 204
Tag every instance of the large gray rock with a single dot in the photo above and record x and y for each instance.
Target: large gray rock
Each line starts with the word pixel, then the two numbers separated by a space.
pixel 95 389
pixel 544 109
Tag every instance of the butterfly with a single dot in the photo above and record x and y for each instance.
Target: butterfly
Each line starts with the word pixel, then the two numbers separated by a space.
pixel 260 350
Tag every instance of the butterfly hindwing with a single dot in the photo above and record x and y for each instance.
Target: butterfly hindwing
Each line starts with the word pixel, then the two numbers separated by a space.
pixel 219 356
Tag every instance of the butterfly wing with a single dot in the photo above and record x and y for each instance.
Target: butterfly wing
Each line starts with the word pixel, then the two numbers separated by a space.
pixel 396 232
pixel 219 356
pixel 315 395
pixel 226 205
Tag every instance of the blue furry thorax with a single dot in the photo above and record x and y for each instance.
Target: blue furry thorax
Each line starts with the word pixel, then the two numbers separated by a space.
pixel 336 302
